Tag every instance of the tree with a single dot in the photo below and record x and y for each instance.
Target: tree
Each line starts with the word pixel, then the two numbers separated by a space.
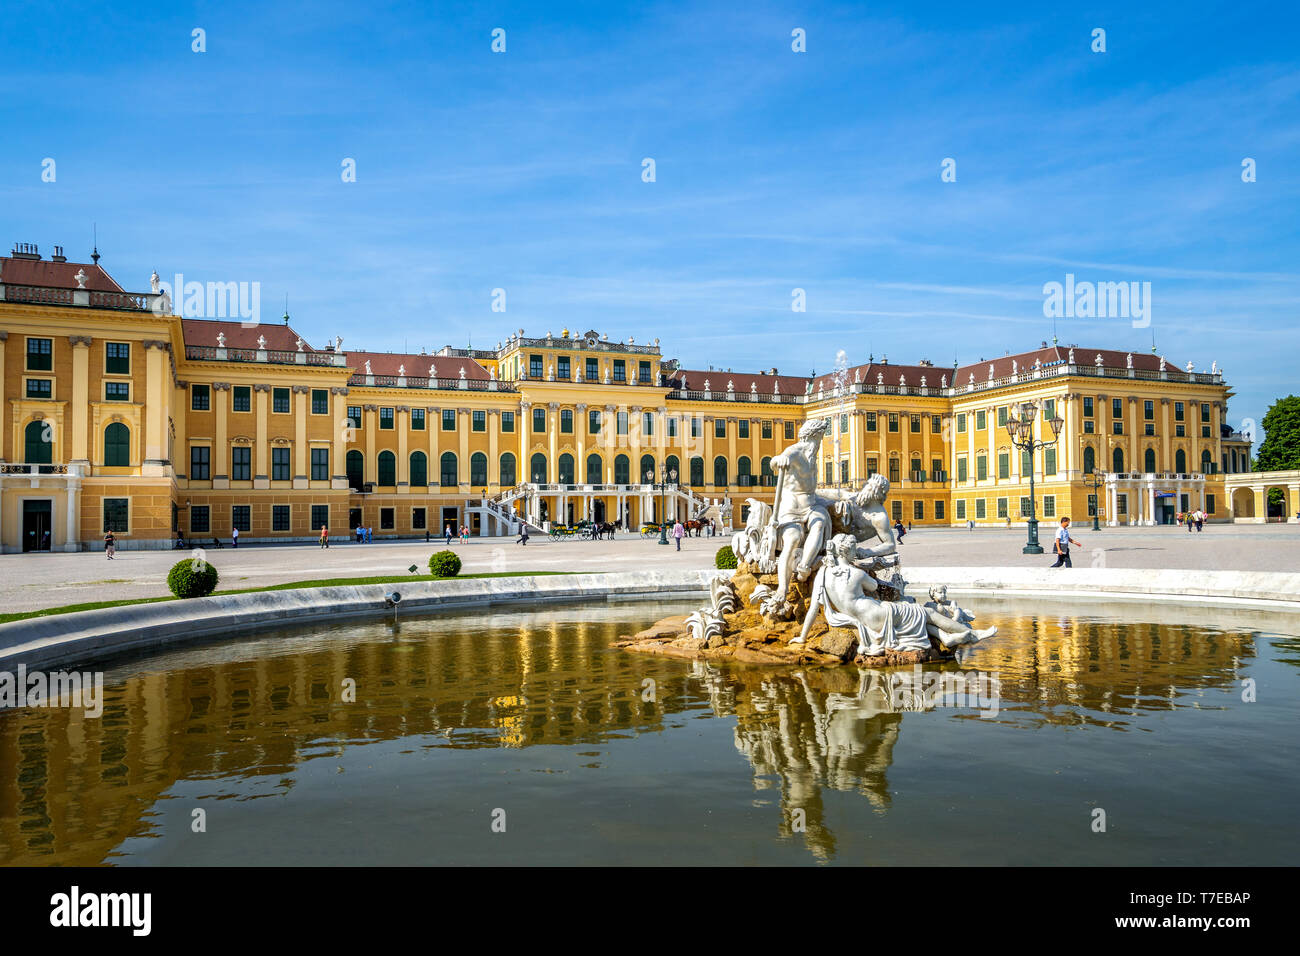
pixel 1280 449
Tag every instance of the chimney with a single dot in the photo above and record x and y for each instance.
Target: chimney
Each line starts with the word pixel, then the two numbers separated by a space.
pixel 26 250
pixel 58 255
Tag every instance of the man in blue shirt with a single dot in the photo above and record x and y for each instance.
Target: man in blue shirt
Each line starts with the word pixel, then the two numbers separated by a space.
pixel 1062 544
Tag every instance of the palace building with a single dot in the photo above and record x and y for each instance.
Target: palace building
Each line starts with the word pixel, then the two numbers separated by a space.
pixel 123 416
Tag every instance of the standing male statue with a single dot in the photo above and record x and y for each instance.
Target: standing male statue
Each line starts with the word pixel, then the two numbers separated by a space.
pixel 800 522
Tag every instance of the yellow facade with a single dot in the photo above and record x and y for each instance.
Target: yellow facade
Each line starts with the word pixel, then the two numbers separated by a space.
pixel 123 416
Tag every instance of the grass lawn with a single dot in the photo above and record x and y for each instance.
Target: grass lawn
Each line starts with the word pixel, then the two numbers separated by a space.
pixel 289 586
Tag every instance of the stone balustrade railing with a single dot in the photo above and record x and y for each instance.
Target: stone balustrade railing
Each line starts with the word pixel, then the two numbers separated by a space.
pixel 78 298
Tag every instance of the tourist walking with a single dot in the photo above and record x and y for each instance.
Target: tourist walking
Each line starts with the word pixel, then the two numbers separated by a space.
pixel 1062 544
pixel 523 534
pixel 447 531
pixel 1200 520
pixel 324 536
pixel 234 537
pixel 678 531
pixel 464 534
pixel 110 545
pixel 899 531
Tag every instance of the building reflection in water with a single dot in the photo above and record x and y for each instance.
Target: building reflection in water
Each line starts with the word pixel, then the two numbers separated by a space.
pixel 72 789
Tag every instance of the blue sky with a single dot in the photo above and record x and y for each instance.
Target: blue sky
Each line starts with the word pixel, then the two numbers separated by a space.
pixel 774 170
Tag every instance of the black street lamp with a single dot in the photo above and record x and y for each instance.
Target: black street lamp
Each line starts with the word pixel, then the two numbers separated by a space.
pixel 667 476
pixel 1094 480
pixel 1020 428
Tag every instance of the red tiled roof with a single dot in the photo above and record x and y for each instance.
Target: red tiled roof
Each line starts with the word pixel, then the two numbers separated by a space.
pixel 693 380
pixel 871 373
pixel 446 366
pixel 279 337
pixel 55 275
pixel 1059 355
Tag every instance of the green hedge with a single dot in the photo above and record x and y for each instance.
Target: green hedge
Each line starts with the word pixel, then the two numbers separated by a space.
pixel 192 577
pixel 444 564
pixel 725 558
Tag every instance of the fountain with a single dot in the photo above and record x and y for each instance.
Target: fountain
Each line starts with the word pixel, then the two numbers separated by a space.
pixel 818 580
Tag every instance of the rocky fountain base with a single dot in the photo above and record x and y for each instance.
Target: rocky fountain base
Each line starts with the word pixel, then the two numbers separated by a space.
pixel 733 629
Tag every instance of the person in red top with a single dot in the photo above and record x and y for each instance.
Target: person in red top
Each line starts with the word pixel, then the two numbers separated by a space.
pixel 324 536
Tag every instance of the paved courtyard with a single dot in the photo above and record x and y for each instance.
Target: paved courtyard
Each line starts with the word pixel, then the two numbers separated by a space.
pixel 33 581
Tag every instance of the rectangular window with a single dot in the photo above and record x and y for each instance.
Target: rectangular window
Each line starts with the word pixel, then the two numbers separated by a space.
pixel 40 355
pixel 743 425
pixel 1049 409
pixel 647 424
pixel 535 366
pixel 115 510
pixel 241 457
pixel 320 465
pixel 961 469
pixel 242 398
pixel 1049 506
pixel 767 430
pixel 1205 411
pixel 643 373
pixel 354 416
pixel 897 510
pixel 117 358
pixel 386 418
pixel 1149 428
pixel 961 509
pixel 1087 406
pixel 672 428
pixel 1209 504
pixel 620 423
pixel 872 465
pixel 320 517
pixel 593 422
pixel 1089 426
pixel 1121 505
pixel 789 431
pixel 566 421
pixel 719 428
pixel 981 420
pixel 40 388
pixel 419 519
pixel 449 419
pixel 478 420
pixel 320 401
pixel 893 421
pixel 279 517
pixel 562 367
pixel 916 424
pixel 1002 507
pixel 593 370
pixel 199 463
pixel 1117 414
pixel 961 422
pixel 1002 416
pixel 1024 507
pixel 1004 465
pixel 279 464
pixel 938 511
pixel 200 398
pixel 508 421
pixel 199 519
pixel 981 467
pixel 918 510
pixel 893 470
pixel 871 422
pixel 241 517
pixel 620 370
pixel 417 419
pixel 280 401
pixel 1049 461
pixel 1180 412
pixel 981 508
pixel 386 520
pixel 1180 431
pixel 936 469
pixel 1149 410
pixel 936 426
pixel 1092 506
pixel 539 420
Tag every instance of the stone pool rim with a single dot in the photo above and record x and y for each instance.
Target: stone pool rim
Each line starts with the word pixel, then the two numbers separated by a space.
pixel 80 637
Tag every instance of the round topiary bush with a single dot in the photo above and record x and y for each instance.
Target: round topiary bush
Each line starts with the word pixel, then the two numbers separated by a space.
pixel 191 578
pixel 725 558
pixel 444 564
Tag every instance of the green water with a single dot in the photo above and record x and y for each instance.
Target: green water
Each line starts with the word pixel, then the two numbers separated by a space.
pixel 462 726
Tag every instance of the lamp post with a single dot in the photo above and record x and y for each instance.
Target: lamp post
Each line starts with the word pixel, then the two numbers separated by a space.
pixel 1094 481
pixel 1020 428
pixel 667 476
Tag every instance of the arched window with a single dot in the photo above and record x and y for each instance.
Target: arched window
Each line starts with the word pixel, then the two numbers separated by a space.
pixel 387 469
pixel 648 465
pixel 537 468
pixel 419 470
pixel 743 476
pixel 356 468
pixel 1206 462
pixel 1180 461
pixel 1149 461
pixel 566 469
pixel 447 467
pixel 621 468
pixel 697 471
pixel 39 442
pixel 1117 461
pixel 117 445
pixel 595 474
pixel 1089 460
pixel 508 479
pixel 720 471
pixel 674 465
pixel 767 476
pixel 478 470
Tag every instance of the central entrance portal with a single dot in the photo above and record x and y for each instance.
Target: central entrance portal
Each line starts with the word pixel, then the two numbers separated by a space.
pixel 36 526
